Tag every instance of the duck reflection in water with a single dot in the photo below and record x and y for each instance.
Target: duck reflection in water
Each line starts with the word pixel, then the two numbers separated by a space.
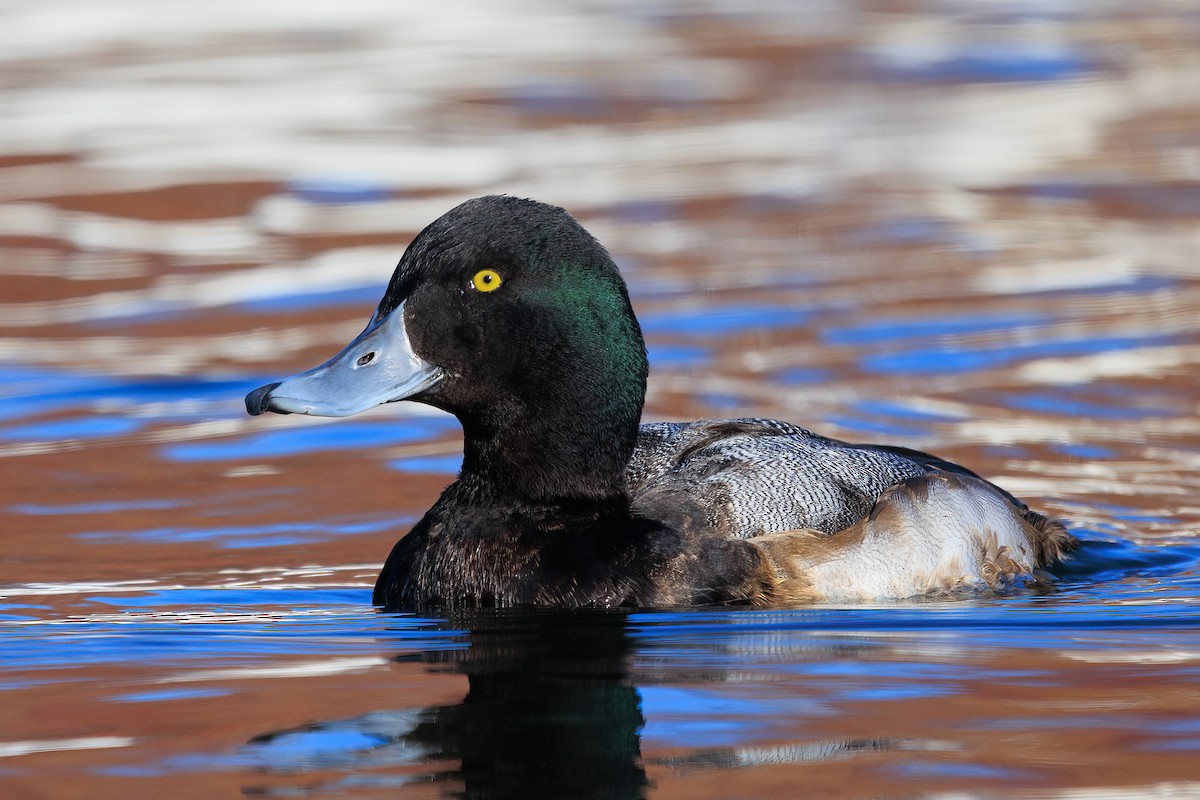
pixel 549 713
pixel 552 711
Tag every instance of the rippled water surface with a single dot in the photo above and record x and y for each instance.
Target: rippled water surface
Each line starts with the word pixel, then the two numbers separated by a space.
pixel 970 227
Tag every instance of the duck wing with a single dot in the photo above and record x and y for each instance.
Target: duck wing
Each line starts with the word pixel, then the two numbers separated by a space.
pixel 758 476
pixel 839 521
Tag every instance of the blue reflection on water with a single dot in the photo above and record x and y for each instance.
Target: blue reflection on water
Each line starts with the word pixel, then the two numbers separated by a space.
pixel 873 426
pixel 691 716
pixel 946 358
pixel 802 375
pixel 109 507
pixel 441 465
pixel 342 435
pixel 644 211
pixel 958 769
pixel 322 744
pixel 338 192
pixel 1099 561
pixel 993 63
pixel 1159 200
pixel 892 329
pixel 553 98
pixel 219 627
pixel 888 408
pixel 169 694
pixel 1067 401
pixel 26 391
pixel 79 428
pixel 366 296
pixel 574 98
pixel 225 598
pixel 910 231
pixel 243 536
pixel 676 355
pixel 1084 451
pixel 721 403
pixel 885 417
pixel 722 320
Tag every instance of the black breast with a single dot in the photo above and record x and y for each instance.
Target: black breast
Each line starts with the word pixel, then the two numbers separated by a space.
pixel 463 554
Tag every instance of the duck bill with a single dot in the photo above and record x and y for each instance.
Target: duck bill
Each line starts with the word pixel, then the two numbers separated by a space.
pixel 377 367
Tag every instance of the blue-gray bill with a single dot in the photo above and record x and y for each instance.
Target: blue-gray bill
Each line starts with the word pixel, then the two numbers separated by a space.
pixel 378 367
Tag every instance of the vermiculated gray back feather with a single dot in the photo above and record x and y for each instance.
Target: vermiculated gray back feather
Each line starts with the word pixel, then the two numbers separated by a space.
pixel 756 476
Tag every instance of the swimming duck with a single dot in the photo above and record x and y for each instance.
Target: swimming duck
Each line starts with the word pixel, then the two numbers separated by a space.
pixel 506 313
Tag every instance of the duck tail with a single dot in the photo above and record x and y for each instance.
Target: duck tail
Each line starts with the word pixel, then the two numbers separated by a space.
pixel 1050 538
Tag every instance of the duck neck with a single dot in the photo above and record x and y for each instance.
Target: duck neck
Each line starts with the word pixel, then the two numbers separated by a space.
pixel 564 432
pixel 568 461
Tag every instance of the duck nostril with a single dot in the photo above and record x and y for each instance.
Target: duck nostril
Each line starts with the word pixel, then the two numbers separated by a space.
pixel 367 359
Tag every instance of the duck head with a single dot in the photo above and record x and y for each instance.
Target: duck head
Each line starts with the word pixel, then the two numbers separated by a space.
pixel 509 315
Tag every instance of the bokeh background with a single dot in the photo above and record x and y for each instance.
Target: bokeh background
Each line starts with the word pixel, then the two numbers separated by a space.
pixel 970 227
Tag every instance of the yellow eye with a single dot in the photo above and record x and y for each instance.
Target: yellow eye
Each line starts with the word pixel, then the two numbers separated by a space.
pixel 486 280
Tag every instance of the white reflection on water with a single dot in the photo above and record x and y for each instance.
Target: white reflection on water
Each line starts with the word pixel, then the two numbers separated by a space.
pixel 265 578
pixel 10 749
pixel 374 69
pixel 304 669
pixel 336 270
pixel 1135 362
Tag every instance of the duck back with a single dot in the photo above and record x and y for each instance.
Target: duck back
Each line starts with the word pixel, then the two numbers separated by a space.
pixel 757 476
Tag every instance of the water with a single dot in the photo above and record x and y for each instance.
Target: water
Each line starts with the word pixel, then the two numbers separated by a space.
pixel 969 228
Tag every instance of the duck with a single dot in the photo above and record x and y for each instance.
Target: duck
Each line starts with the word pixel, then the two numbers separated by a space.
pixel 508 314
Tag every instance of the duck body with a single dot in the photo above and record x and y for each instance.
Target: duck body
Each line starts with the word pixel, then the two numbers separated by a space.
pixel 470 551
pixel 508 314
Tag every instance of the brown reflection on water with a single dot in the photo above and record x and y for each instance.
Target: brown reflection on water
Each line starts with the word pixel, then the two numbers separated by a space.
pixel 91 706
pixel 993 258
